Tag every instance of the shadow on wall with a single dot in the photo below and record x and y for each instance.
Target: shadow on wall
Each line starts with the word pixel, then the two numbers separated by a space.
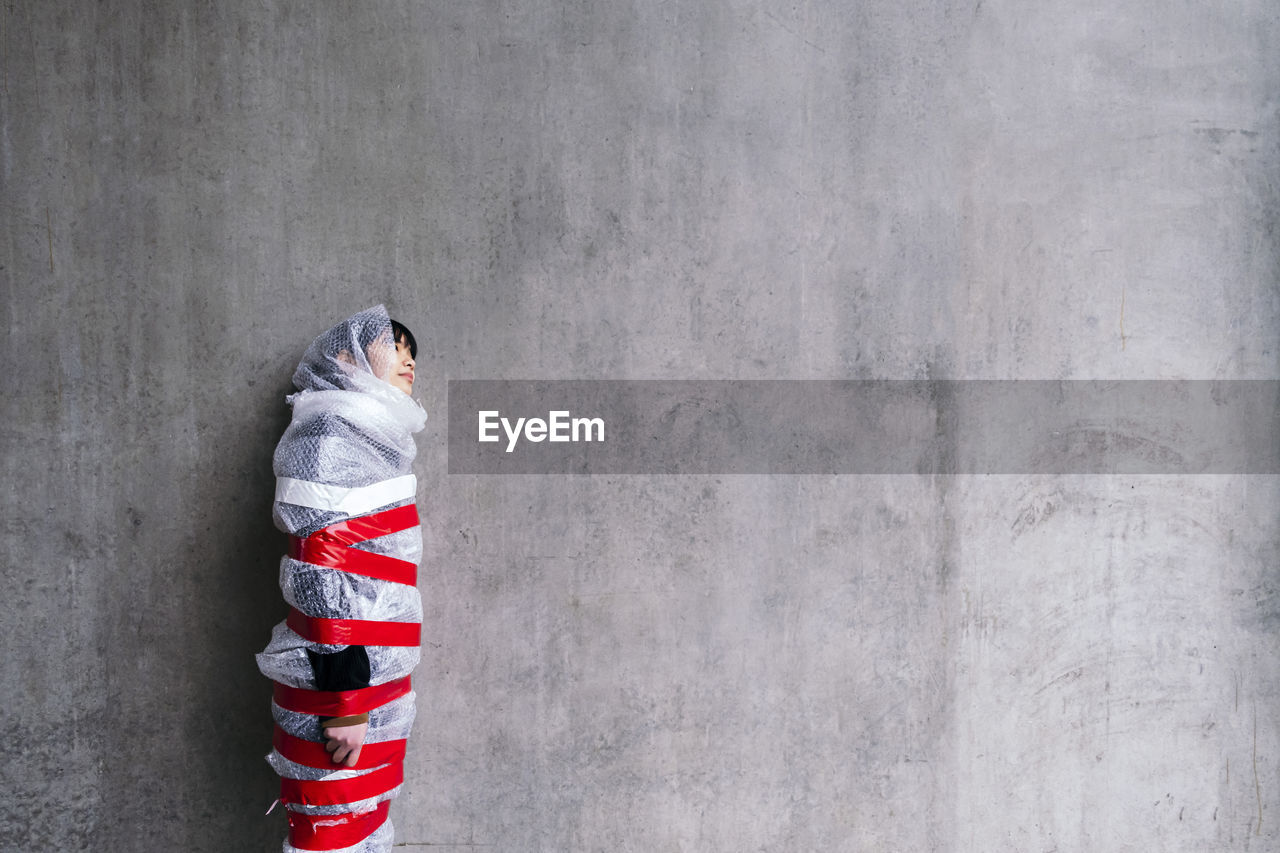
pixel 230 733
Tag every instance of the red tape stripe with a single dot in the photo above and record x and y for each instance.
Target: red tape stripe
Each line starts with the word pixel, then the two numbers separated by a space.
pixel 311 754
pixel 334 831
pixel 364 527
pixel 353 632
pixel 334 792
pixel 320 551
pixel 341 703
pixel 328 547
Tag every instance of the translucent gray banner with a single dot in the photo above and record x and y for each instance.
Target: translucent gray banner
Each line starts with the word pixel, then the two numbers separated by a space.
pixel 863 427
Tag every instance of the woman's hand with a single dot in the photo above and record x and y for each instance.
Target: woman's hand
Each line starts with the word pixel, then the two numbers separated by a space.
pixel 344 742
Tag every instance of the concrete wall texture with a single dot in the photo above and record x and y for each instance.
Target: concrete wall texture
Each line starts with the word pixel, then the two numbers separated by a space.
pixel 862 189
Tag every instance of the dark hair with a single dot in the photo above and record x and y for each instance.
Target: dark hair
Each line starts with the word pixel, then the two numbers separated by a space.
pixel 400 333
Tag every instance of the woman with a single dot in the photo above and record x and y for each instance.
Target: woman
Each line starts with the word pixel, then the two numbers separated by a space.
pixel 343 705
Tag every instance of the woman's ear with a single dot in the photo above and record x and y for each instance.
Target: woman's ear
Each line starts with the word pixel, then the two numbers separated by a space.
pixel 347 361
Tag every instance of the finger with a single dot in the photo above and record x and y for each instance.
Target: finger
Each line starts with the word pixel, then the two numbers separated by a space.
pixel 340 755
pixel 353 757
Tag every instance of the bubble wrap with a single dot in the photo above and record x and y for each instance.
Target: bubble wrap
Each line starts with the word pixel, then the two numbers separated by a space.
pixel 349 428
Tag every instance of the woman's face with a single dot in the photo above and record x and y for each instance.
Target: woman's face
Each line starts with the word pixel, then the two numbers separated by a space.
pixel 395 365
pixel 402 368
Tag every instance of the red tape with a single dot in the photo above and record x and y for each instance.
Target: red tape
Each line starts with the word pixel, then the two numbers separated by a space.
pixel 311 754
pixel 330 546
pixel 341 703
pixel 364 527
pixel 334 792
pixel 353 632
pixel 329 555
pixel 334 831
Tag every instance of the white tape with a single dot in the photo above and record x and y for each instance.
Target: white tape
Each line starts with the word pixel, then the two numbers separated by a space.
pixel 350 501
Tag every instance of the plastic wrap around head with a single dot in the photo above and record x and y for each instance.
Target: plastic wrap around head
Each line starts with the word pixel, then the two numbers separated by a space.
pixel 348 355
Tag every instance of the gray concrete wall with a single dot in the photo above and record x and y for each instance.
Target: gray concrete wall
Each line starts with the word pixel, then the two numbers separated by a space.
pixel 824 189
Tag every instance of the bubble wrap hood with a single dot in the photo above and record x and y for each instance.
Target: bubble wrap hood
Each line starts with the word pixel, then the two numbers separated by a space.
pixel 357 354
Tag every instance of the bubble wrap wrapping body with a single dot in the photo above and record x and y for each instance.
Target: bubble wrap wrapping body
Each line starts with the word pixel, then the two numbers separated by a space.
pixel 349 429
